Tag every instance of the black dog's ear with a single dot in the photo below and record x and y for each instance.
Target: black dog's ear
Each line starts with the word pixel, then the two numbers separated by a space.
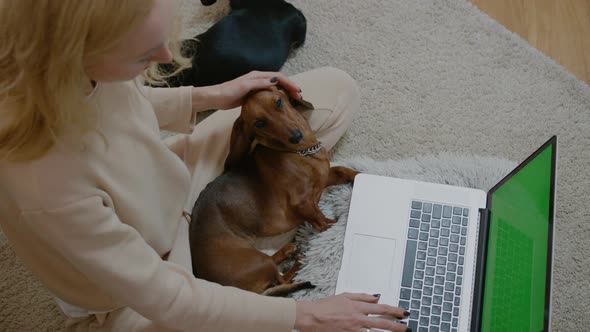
pixel 239 145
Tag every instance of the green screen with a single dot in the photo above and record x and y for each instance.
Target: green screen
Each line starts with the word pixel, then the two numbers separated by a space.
pixel 515 276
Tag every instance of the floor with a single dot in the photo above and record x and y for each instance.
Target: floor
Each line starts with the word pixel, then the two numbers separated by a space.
pixel 558 28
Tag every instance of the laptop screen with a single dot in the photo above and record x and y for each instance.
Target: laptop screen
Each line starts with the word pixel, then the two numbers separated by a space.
pixel 516 285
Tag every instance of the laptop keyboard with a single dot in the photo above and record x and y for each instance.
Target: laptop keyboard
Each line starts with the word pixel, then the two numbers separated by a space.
pixel 433 268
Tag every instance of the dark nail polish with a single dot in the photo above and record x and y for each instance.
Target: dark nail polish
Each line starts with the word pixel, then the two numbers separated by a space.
pixel 406 313
pixel 402 322
pixel 274 79
pixel 377 295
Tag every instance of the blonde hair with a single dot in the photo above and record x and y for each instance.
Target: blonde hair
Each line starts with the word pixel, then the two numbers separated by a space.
pixel 43 85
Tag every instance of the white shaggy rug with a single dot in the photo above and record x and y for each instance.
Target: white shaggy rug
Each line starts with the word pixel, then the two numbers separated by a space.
pixel 323 251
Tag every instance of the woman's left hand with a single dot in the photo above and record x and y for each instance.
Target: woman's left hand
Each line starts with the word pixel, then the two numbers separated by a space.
pixel 231 94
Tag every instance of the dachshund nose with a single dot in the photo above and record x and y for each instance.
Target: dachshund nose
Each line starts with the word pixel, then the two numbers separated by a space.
pixel 296 137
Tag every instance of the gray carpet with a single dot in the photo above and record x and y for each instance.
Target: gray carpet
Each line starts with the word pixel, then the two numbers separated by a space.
pixel 434 75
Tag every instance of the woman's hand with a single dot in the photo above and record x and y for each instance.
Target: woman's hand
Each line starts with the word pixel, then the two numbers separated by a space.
pixel 348 312
pixel 231 94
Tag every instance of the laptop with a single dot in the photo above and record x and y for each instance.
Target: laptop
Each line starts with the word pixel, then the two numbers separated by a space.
pixel 458 259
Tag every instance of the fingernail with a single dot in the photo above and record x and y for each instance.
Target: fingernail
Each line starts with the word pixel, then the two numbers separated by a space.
pixel 406 313
pixel 377 295
pixel 274 79
pixel 402 322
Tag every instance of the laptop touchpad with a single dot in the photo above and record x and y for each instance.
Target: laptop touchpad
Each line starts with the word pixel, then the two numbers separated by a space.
pixel 370 263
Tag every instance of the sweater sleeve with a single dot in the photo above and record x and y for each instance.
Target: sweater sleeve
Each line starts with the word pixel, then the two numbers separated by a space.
pixel 173 107
pixel 117 259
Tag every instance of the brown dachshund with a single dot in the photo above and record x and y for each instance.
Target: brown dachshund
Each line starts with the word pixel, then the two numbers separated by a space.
pixel 274 175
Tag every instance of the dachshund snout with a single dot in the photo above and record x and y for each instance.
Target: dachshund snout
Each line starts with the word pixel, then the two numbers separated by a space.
pixel 296 136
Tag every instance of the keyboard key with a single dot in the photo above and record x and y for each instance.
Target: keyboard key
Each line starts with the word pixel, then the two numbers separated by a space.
pixel 427 207
pixel 456 229
pixel 422 245
pixel 421 255
pixel 413 324
pixel 436 299
pixel 444 327
pixel 415 214
pixel 423 236
pixel 442 251
pixel 404 304
pixel 452 255
pixel 425 217
pixel 446 316
pixel 430 271
pixel 455 322
pixel 437 211
pixel 439 280
pixel 457 301
pixel 441 259
pixel 427 301
pixel 450 276
pixel 436 310
pixel 419 265
pixel 431 261
pixel 435 320
pixel 447 210
pixel 417 294
pixel 465 212
pixel 449 287
pixel 457 210
pixel 415 304
pixel 414 314
pixel 438 290
pixel 455 239
pixel 456 312
pixel 463 241
pixel 418 284
pixel 459 281
pixel 414 223
pixel 433 242
pixel 419 275
pixel 447 306
pixel 444 232
pixel 458 291
pixel 460 270
pixel 434 328
pixel 440 269
pixel 435 223
pixel 413 233
pixel 427 290
pixel 416 205
pixel 409 261
pixel 425 311
pixel 452 267
pixel 434 233
pixel 462 249
pixel 424 227
pixel 444 241
pixel 464 231
pixel 456 220
pixel 405 293
pixel 461 260
pixel 465 221
pixel 431 251
pixel 424 321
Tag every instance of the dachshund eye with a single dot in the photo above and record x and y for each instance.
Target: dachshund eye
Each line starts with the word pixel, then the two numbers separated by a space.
pixel 259 124
pixel 279 103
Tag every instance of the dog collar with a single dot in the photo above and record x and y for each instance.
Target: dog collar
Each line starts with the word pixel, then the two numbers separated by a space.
pixel 311 150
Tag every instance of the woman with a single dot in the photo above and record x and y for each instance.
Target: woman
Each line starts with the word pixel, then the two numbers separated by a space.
pixel 92 200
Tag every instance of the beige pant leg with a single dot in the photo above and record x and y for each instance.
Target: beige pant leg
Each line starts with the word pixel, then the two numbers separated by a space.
pixel 335 97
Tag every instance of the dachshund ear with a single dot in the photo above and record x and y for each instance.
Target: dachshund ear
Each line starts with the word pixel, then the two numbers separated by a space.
pixel 301 104
pixel 239 145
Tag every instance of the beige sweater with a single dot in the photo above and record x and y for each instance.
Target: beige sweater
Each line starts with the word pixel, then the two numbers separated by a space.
pixel 92 224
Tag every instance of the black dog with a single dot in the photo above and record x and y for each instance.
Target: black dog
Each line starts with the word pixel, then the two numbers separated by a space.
pixel 255 35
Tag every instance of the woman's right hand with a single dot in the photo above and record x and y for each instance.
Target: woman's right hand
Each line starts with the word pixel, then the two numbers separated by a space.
pixel 348 312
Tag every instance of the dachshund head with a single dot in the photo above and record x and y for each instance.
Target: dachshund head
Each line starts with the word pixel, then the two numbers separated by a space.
pixel 270 119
